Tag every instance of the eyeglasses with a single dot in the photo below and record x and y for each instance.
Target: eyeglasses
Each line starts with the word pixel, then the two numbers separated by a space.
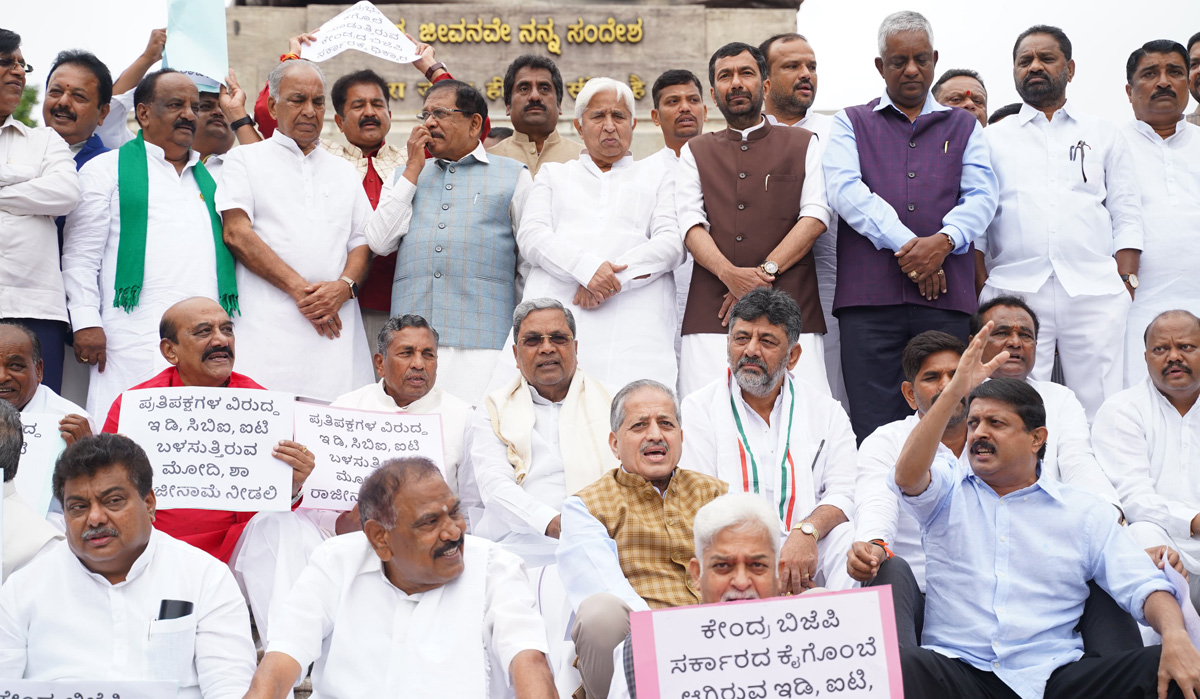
pixel 440 113
pixel 6 64
pixel 1078 149
pixel 558 339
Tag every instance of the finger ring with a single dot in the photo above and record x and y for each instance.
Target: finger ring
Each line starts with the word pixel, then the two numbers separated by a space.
pixel 941 273
pixel 612 291
pixel 913 275
pixel 303 449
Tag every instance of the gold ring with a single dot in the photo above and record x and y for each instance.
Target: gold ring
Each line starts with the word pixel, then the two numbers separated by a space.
pixel 941 273
pixel 913 275
pixel 303 449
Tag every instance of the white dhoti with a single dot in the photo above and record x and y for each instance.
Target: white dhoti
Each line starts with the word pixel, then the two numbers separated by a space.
pixel 271 553
pixel 1089 333
pixel 465 373
pixel 704 357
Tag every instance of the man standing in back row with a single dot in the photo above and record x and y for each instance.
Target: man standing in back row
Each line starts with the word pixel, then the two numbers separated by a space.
pixel 750 213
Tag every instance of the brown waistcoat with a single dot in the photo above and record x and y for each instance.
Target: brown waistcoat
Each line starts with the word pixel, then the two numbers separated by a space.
pixel 752 199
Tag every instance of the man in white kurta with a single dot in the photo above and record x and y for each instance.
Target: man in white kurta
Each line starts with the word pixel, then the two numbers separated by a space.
pixel 180 250
pixel 27 534
pixel 94 607
pixel 1165 149
pixel 297 233
pixel 412 606
pixel 763 431
pixel 1068 204
pixel 601 234
pixel 1147 440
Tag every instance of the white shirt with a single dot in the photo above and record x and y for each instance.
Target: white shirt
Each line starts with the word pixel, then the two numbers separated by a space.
pixel 311 210
pixel 1168 175
pixel 1152 455
pixel 60 621
pixel 46 402
pixel 521 509
pixel 689 198
pixel 578 217
pixel 37 183
pixel 454 412
pixel 180 262
pixel 370 639
pixel 1069 456
pixel 26 534
pixel 1050 221
pixel 114 132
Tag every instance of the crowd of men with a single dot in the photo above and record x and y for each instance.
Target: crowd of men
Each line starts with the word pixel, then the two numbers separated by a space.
pixel 862 358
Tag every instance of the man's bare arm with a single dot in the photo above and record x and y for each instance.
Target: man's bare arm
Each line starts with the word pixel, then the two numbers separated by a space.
pixel 274 678
pixel 531 676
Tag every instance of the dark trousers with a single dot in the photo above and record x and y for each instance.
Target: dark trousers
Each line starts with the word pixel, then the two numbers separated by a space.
pixel 873 340
pixel 1115 664
pixel 53 336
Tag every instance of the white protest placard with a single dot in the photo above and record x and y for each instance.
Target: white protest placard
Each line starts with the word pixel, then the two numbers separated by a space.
pixel 211 447
pixel 350 444
pixel 833 644
pixel 87 689
pixel 43 443
pixel 365 28
pixel 196 41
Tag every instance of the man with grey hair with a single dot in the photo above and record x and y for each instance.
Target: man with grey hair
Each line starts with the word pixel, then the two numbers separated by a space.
pixel 452 222
pixel 627 538
pixel 294 216
pixel 26 534
pixel 910 209
pixel 762 431
pixel 602 236
pixel 406 356
pixel 410 606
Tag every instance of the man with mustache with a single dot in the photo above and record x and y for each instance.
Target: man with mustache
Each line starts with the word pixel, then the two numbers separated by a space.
pixel 265 551
pixel 1068 232
pixel 913 185
pixel 1143 438
pixel 601 235
pixel 1193 49
pixel 144 236
pixel 1164 147
pixel 412 606
pixel 763 431
pixel 627 538
pixel 406 357
pixel 792 69
pixel 139 605
pixel 37 184
pixel 533 94
pixel 1007 580
pixel 452 220
pixel 294 216
pixel 962 87
pixel 751 202
pixel 78 93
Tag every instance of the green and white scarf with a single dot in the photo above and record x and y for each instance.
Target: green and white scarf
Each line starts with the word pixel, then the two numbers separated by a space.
pixel 133 179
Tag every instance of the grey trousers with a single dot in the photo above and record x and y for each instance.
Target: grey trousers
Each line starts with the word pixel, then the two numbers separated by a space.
pixel 601 623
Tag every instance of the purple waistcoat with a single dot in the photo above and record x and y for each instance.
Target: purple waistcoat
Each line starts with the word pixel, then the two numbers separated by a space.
pixel 917 169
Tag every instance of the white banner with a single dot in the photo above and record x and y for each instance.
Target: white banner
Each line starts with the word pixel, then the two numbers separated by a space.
pixel 350 444
pixel 43 444
pixel 211 447
pixel 87 689
pixel 365 28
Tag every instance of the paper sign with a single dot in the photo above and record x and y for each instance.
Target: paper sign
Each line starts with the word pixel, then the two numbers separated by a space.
pixel 835 644
pixel 365 28
pixel 196 39
pixel 350 444
pixel 87 689
pixel 211 447
pixel 43 444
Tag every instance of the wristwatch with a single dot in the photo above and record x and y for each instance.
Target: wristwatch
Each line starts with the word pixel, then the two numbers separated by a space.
pixel 1131 280
pixel 808 528
pixel 769 267
pixel 433 69
pixel 244 121
pixel 353 286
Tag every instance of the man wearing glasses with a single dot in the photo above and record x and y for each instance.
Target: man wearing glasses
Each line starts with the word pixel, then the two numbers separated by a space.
pixel 37 183
pixel 1069 204
pixel 452 221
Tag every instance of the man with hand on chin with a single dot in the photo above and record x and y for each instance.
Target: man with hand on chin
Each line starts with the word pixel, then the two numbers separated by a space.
pixel 1001 622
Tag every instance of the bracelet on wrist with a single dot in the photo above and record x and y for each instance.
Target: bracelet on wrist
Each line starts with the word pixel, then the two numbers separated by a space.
pixel 883 545
pixel 244 121
pixel 289 57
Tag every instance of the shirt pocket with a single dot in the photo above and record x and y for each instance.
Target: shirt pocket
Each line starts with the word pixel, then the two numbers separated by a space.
pixel 784 192
pixel 171 651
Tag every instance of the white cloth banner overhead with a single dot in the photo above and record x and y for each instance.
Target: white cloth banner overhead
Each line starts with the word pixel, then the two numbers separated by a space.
pixel 43 443
pixel 365 28
pixel 29 689
pixel 211 447
pixel 196 41
pixel 350 444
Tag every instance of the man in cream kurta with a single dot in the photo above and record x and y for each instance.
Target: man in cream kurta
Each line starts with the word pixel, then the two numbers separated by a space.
pixel 587 219
pixel 180 250
pixel 762 431
pixel 296 229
